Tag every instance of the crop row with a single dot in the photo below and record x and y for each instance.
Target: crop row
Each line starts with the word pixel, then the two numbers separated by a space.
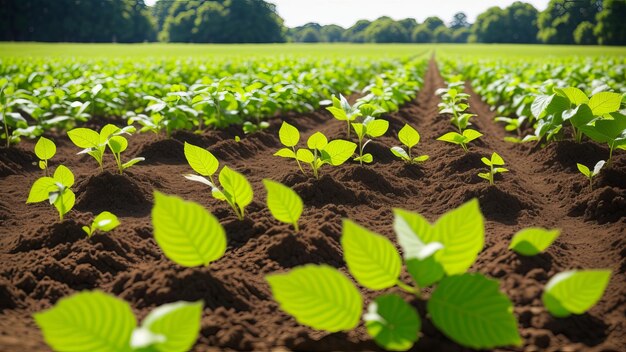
pixel 169 95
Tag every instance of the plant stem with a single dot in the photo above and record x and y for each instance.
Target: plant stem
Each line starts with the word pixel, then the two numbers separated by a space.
pixel 591 183
pixel 491 176
pixel 413 290
pixel 295 226
pixel 6 126
pixel 348 121
pixel 297 161
pixel 361 151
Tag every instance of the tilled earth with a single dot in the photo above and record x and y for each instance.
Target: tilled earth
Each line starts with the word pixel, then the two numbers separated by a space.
pixel 42 260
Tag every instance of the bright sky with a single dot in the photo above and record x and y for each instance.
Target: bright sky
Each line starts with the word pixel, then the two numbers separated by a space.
pixel 346 12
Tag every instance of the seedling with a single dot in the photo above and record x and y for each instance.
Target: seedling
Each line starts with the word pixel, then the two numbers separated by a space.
pixel 533 240
pixel 104 222
pixel 283 202
pixel 236 190
pixel 343 111
pixel 95 143
pixel 324 298
pixel 455 103
pixel 370 127
pixel 591 174
pixel 574 292
pixel 10 99
pixel 410 138
pixel 320 152
pixel 56 190
pixel 460 139
pixel 97 321
pixel 45 150
pixel 493 163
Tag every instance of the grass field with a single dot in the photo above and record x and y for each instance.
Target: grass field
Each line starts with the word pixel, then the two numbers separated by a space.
pixel 317 50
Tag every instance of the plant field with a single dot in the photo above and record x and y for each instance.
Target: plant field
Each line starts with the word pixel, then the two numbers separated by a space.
pixel 221 201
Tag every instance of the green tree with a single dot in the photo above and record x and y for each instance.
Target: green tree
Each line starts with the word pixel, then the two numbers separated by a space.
pixel 409 24
pixel 442 34
pixel 356 33
pixel 309 35
pixel 433 23
pixel 492 26
pixel 559 20
pixel 332 33
pixel 611 26
pixel 422 35
pixel 460 35
pixel 522 22
pixel 386 30
pixel 584 34
pixel 459 20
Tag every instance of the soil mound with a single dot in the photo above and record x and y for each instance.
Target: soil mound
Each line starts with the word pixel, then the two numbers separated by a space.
pixel 14 161
pixel 119 194
pixel 165 151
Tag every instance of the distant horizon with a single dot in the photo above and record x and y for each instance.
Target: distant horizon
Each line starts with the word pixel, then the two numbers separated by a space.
pixel 345 13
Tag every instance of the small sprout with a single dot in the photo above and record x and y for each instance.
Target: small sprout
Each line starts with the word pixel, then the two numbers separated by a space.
pixel 342 111
pixel 284 203
pixel 370 127
pixel 455 103
pixel 410 138
pixel 320 151
pixel 55 190
pixel 118 144
pixel 496 160
pixel 460 139
pixel 250 127
pixel 591 174
pixel 574 292
pixel 45 149
pixel 95 143
pixel 237 139
pixel 533 240
pixel 104 222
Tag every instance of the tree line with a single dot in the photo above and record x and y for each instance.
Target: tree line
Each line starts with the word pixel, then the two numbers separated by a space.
pixel 256 21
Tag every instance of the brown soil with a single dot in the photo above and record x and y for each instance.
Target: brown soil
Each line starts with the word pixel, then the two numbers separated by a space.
pixel 42 260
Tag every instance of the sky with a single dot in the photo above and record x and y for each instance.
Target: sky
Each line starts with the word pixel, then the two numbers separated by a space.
pixel 346 12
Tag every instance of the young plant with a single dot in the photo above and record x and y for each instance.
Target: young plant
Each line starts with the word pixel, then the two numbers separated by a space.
pixel 533 240
pixel 320 152
pixel 455 103
pixel 55 189
pixel 95 143
pixel 45 150
pixel 283 202
pixel 10 100
pixel 104 222
pixel 343 111
pixel 493 163
pixel 591 174
pixel 186 232
pixel 323 298
pixel 236 190
pixel 117 144
pixel 460 139
pixel 410 138
pixel 370 127
pixel 97 321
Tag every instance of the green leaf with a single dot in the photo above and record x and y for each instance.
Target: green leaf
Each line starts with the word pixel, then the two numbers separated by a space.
pixel 400 153
pixel 106 132
pixel 284 203
pixel 460 231
pixel 470 135
pixel 65 202
pixel 366 158
pixel 88 321
pixel 604 103
pixel 338 151
pixel 172 327
pixel 575 95
pixel 408 136
pixel 84 137
pixel 317 141
pixel 425 272
pixel 305 155
pixel 393 323
pixel 40 190
pixel 105 221
pixel 132 162
pixel 285 153
pixel 496 159
pixel 118 144
pixel 289 135
pixel 318 296
pixel 471 310
pixel 371 258
pixel 540 104
pixel 64 176
pixel 236 188
pixel 583 169
pixel 186 232
pixel 45 148
pixel 201 160
pixel 574 292
pixel 533 240
pixel 452 137
pixel 421 158
pixel 377 128
pixel 359 129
